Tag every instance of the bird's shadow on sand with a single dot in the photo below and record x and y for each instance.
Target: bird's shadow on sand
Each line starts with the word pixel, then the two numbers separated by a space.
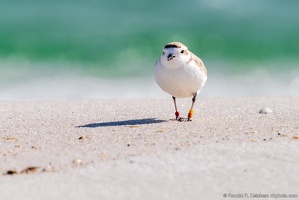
pixel 131 122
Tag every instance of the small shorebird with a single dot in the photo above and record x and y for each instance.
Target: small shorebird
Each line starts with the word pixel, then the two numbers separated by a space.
pixel 180 73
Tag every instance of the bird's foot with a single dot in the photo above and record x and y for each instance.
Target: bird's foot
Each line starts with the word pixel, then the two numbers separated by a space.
pixel 181 119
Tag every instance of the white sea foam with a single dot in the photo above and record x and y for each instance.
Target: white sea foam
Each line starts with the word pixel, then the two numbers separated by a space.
pixel 27 83
pixel 78 87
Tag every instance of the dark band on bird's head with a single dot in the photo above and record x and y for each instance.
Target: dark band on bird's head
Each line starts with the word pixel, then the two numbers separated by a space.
pixel 172 45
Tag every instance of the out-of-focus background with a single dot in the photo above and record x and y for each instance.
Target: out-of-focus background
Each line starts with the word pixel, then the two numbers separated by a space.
pixel 63 49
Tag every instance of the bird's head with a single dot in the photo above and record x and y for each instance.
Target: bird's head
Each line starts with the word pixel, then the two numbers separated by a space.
pixel 175 55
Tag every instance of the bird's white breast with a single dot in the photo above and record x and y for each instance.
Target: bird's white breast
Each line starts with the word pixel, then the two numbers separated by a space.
pixel 181 82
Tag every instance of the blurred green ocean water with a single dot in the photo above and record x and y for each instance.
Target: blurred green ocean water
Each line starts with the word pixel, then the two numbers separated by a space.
pixel 125 38
pixel 104 33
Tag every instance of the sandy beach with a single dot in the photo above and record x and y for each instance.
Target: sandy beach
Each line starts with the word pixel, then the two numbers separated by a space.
pixel 130 149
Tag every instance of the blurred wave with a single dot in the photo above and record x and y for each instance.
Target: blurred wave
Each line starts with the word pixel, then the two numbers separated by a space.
pixel 46 84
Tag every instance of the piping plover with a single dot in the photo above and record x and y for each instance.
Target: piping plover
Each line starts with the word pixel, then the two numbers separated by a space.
pixel 180 73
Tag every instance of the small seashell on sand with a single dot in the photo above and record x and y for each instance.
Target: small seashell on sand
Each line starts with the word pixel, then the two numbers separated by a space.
pixel 77 162
pixel 265 111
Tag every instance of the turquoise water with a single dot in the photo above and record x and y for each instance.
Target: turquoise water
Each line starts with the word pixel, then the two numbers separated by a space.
pixel 112 38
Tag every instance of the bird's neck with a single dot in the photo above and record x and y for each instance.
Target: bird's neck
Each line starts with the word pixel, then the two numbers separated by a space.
pixel 173 64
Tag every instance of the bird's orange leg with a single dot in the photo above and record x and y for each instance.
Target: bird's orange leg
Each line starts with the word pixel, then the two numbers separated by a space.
pixel 191 111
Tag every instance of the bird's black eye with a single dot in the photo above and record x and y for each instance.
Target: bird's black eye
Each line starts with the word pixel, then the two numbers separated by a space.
pixel 182 51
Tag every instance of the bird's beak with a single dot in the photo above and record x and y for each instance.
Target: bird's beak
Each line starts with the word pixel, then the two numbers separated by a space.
pixel 170 57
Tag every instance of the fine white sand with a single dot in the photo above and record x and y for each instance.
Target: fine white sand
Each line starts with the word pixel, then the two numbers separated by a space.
pixel 129 149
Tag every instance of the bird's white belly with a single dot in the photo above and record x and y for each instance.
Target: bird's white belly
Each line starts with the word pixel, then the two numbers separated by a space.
pixel 182 82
